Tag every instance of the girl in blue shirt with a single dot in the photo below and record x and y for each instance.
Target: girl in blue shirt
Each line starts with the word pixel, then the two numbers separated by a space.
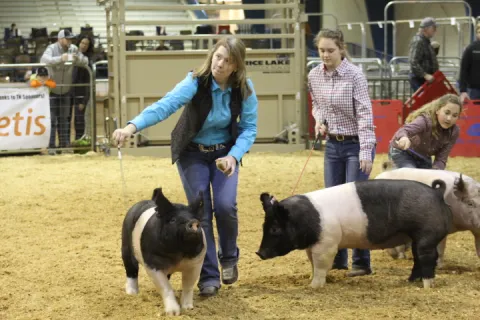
pixel 216 88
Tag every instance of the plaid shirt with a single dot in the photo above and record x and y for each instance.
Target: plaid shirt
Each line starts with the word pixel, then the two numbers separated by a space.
pixel 341 98
pixel 422 56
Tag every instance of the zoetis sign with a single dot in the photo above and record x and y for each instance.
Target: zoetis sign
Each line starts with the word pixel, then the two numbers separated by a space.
pixel 24 118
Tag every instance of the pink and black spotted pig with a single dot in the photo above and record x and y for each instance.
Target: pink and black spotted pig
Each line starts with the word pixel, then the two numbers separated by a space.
pixel 165 238
pixel 374 214
pixel 462 195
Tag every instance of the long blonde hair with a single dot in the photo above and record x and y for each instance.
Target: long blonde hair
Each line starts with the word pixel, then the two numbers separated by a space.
pixel 337 37
pixel 236 50
pixel 430 110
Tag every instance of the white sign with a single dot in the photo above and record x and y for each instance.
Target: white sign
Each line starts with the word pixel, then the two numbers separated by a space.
pixel 24 118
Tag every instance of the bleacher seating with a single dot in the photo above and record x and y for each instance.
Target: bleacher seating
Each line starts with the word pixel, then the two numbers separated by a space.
pixel 55 14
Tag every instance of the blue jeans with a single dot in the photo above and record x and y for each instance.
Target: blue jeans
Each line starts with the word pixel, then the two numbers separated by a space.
pixel 473 93
pixel 198 171
pixel 341 166
pixel 404 159
pixel 60 120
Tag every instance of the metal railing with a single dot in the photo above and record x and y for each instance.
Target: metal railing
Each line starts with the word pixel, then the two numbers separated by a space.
pixel 91 85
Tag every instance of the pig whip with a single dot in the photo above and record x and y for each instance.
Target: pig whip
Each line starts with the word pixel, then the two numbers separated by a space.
pixel 124 187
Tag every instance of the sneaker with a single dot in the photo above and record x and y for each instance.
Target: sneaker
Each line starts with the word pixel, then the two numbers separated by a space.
pixel 230 275
pixel 358 272
pixel 52 152
pixel 208 291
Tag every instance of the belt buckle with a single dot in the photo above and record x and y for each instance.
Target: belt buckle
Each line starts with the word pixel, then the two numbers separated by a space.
pixel 338 137
pixel 202 148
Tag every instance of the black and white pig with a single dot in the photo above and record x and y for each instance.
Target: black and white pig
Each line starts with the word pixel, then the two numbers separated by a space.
pixel 462 194
pixel 373 214
pixel 165 238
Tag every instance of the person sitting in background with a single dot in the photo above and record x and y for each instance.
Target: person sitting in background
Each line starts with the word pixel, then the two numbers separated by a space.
pixel 428 131
pixel 161 46
pixel 13 32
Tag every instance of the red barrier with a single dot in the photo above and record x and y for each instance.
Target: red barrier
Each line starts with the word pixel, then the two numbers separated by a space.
pixel 468 143
pixel 428 92
pixel 387 118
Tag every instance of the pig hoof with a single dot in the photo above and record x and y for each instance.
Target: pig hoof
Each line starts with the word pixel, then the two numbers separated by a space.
pixel 131 287
pixel 187 300
pixel 187 305
pixel 317 284
pixel 393 253
pixel 401 255
pixel 428 283
pixel 172 308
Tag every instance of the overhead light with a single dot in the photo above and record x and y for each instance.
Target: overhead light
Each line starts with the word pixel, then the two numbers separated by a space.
pixel 452 21
pixel 349 26
pixel 411 24
pixel 380 25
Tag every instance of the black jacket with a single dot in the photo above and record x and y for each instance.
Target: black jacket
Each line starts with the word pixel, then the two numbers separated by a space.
pixel 470 67
pixel 80 75
pixel 195 113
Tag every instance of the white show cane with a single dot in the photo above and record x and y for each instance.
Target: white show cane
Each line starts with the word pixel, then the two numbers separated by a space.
pixel 124 187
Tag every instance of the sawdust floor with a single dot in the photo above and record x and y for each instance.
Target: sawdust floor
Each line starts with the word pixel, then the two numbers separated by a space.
pixel 60 248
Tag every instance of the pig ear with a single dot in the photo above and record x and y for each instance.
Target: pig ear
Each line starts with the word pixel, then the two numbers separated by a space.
pixel 267 200
pixel 155 193
pixel 280 212
pixel 163 204
pixel 197 206
pixel 460 188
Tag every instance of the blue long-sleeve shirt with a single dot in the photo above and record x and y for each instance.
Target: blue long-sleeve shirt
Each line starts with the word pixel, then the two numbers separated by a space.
pixel 216 127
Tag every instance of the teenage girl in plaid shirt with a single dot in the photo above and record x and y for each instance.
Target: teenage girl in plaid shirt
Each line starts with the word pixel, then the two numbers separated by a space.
pixel 343 111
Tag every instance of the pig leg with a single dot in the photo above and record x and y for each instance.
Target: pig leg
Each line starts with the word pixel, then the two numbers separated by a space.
pixel 477 243
pixel 401 251
pixel 322 260
pixel 131 269
pixel 416 270
pixel 160 280
pixel 309 255
pixel 189 278
pixel 427 255
pixel 393 252
pixel 441 252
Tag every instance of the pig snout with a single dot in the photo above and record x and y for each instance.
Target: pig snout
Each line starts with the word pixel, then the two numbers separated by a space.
pixel 193 225
pixel 261 254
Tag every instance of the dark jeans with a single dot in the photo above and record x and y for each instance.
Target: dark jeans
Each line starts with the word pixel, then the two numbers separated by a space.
pixel 415 82
pixel 405 159
pixel 341 166
pixel 473 93
pixel 79 121
pixel 198 171
pixel 60 119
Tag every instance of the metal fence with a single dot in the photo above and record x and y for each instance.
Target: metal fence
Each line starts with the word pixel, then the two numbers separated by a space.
pixel 72 125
